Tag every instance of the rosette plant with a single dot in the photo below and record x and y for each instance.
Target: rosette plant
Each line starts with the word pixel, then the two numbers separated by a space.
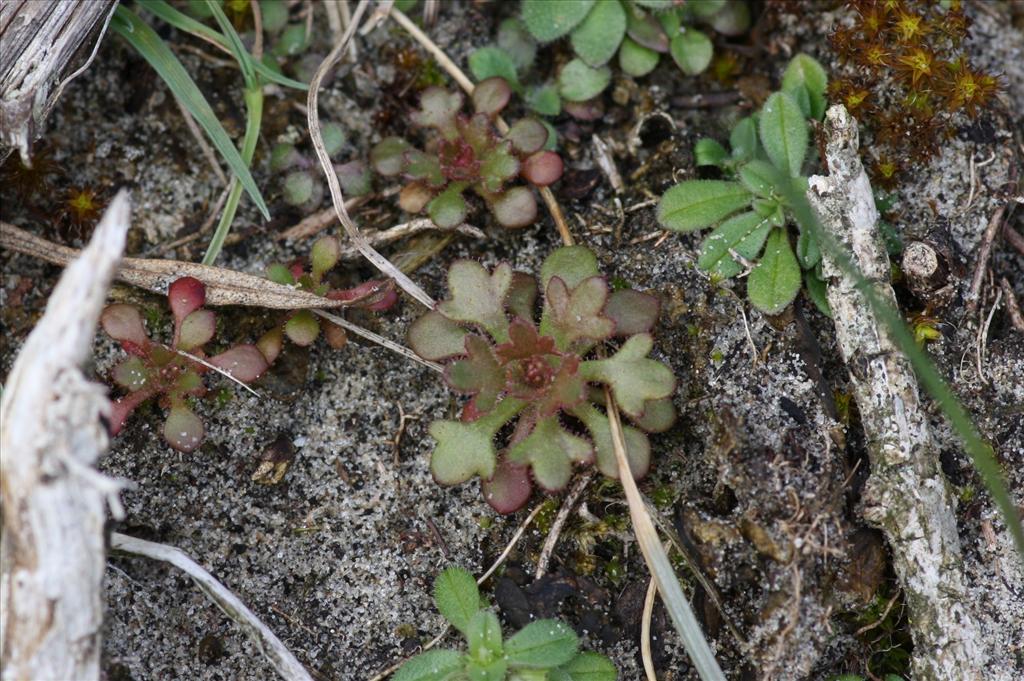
pixel 173 373
pixel 467 153
pixel 302 327
pixel 539 385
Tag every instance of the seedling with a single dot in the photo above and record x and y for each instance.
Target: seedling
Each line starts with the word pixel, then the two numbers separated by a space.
pixel 173 373
pixel 466 152
pixel 639 31
pixel 301 186
pixel 302 327
pixel 546 379
pixel 545 650
pixel 768 149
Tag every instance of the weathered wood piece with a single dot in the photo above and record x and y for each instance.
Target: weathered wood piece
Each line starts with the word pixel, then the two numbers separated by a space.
pixel 906 495
pixel 54 500
pixel 40 39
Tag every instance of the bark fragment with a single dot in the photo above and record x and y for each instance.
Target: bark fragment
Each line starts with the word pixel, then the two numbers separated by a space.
pixel 906 496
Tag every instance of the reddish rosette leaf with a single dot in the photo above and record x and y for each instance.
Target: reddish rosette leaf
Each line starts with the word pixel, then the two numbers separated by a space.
pixel 388 156
pixel 509 489
pixel 458 161
pixel 590 110
pixel 185 295
pixel 577 314
pixel 490 96
pixel 633 312
pixel 123 323
pixel 183 430
pixel 527 135
pixel 131 374
pixel 375 295
pixel 550 450
pixel 438 109
pixel 435 337
pixel 515 208
pixel 478 374
pixel 645 29
pixel 524 342
pixel 243 362
pixel 521 296
pixel 542 168
pixel 566 391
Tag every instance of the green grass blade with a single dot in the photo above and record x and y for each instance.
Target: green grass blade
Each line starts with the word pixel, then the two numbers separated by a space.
pixel 183 22
pixel 238 51
pixel 145 40
pixel 254 107
pixel 978 450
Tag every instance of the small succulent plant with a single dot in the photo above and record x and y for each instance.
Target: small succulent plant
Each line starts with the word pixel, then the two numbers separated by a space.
pixel 157 370
pixel 302 327
pixel 768 148
pixel 545 650
pixel 467 153
pixel 301 186
pixel 545 378
pixel 638 31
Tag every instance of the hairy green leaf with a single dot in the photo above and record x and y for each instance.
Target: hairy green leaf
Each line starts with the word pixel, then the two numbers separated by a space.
pixel 543 644
pixel 694 204
pixel 804 73
pixel 744 233
pixel 635 59
pixel 692 51
pixel 783 132
pixel 490 61
pixel 775 281
pixel 586 666
pixel 597 38
pixel 578 82
pixel 433 665
pixel 547 20
pixel 457 597
pixel 708 152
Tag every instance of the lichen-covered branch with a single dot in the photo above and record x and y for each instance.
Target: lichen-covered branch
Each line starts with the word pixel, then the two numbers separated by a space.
pixel 906 495
pixel 54 500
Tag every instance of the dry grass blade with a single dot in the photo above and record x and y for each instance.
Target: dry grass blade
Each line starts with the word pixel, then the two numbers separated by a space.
pixel 379 340
pixel 282 659
pixel 223 286
pixel 645 631
pixel 313 120
pixel 661 570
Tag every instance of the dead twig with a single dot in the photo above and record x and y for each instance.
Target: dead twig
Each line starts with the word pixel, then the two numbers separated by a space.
pixel 309 226
pixel 983 337
pixel 313 121
pixel 604 160
pixel 556 527
pixel 223 286
pixel 1016 319
pixel 283 661
pixel 379 340
pixel 981 264
pixel 1014 238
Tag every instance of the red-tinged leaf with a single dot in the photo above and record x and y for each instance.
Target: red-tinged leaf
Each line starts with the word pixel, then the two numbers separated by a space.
pixel 435 337
pixel 124 323
pixel 567 389
pixel 183 430
pixel 196 330
pixel 515 208
pixel 479 374
pixel 476 297
pixel 424 167
pixel 522 295
pixel 376 294
pixel 244 362
pixel 185 295
pixel 633 377
pixel 302 328
pixel 638 448
pixel 189 382
pixel 633 312
pixel 270 344
pixel 324 255
pixel 524 341
pixel 577 314
pixel 490 96
pixel 645 30
pixel 542 168
pixel 335 336
pixel 413 197
pixel 354 177
pixel 527 135
pixel 509 489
